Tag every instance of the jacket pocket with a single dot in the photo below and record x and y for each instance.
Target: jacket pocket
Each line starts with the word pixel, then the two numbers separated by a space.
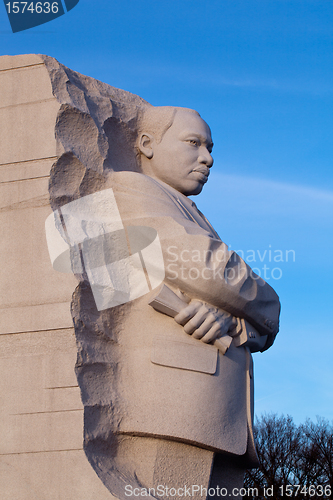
pixel 185 354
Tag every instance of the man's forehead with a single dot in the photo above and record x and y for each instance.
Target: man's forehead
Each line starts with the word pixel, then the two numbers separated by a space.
pixel 188 121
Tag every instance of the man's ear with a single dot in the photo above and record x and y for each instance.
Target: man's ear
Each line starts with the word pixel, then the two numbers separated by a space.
pixel 146 143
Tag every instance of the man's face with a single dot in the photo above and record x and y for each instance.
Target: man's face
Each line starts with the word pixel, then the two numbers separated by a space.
pixel 183 157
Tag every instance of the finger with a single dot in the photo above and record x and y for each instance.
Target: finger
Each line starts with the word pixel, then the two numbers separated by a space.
pixel 233 324
pixel 188 312
pixel 210 330
pixel 208 336
pixel 226 325
pixel 203 317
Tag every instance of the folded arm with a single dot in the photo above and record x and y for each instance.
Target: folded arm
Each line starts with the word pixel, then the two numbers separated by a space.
pixel 196 262
pixel 207 323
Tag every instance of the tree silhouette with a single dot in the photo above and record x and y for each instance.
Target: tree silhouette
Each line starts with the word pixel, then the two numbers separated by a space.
pixel 295 461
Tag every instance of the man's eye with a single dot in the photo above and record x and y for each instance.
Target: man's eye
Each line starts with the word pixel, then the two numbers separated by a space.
pixel 194 142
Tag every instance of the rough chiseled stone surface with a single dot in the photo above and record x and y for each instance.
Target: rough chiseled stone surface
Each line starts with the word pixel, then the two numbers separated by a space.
pixel 96 130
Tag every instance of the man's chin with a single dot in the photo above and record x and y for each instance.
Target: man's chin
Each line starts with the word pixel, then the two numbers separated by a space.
pixel 193 191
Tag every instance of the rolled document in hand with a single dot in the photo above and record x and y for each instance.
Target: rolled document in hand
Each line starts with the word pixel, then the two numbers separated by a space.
pixel 167 302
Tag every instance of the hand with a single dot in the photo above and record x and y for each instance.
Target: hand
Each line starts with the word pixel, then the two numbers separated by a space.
pixel 205 322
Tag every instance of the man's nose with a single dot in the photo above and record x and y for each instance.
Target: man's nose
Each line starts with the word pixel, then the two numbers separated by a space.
pixel 205 157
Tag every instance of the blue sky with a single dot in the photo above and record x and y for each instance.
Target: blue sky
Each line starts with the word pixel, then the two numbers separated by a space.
pixel 260 73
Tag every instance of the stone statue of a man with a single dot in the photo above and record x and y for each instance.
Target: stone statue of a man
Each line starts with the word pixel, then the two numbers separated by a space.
pixel 168 397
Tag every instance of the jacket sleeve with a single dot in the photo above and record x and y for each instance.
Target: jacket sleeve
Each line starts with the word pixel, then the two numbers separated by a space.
pixel 195 261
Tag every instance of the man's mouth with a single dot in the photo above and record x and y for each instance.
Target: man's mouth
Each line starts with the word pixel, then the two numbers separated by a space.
pixel 204 171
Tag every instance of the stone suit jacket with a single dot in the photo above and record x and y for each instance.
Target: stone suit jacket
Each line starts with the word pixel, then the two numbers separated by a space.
pixel 164 382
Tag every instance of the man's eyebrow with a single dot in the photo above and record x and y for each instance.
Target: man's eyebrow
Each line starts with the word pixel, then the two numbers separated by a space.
pixel 189 133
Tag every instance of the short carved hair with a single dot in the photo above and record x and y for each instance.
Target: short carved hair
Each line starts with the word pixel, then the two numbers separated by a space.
pixel 156 120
